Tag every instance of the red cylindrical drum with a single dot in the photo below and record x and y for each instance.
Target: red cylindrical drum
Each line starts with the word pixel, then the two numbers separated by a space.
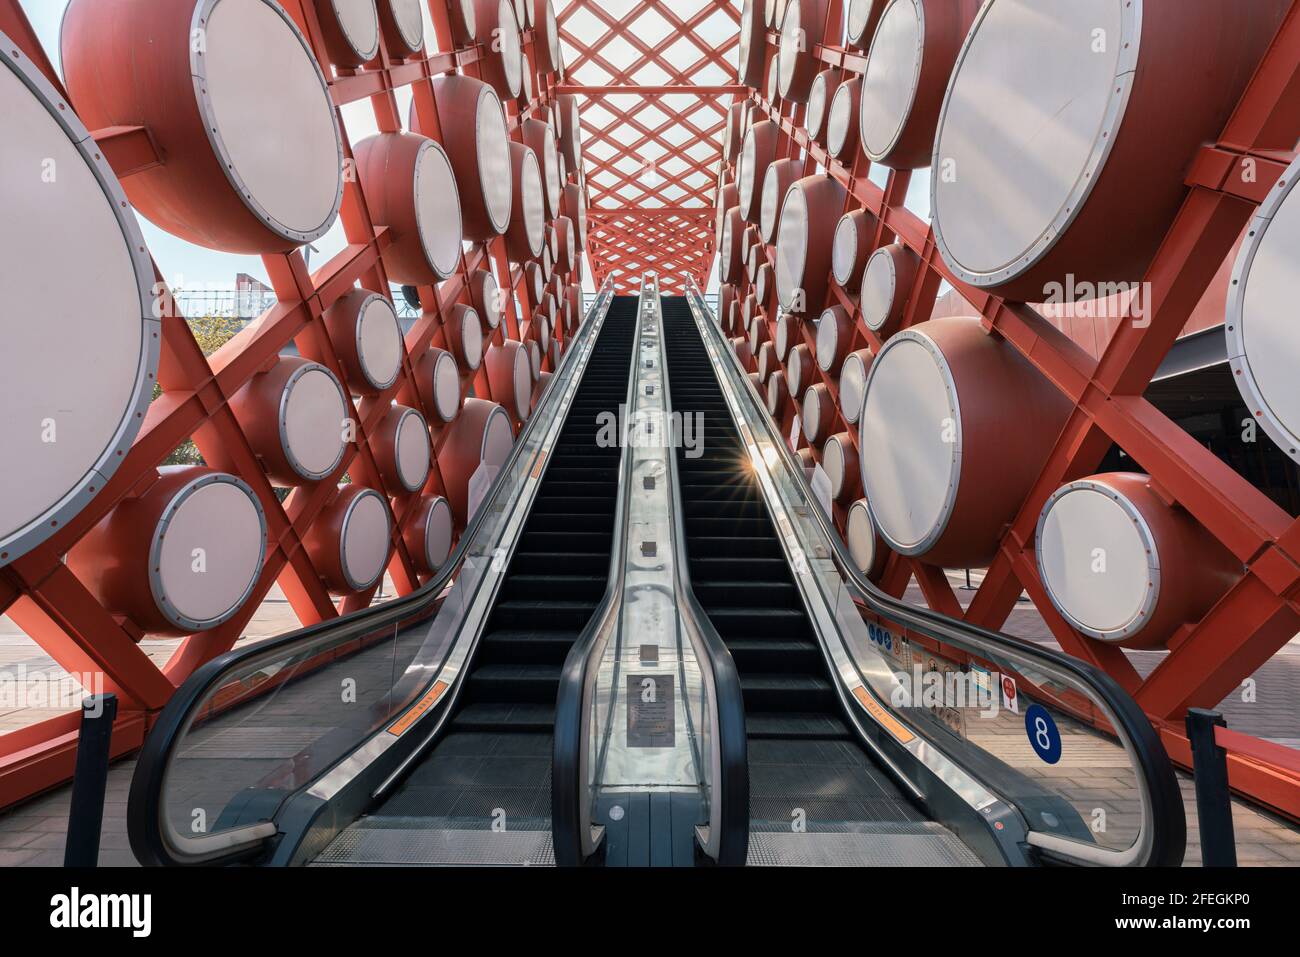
pixel 853 384
pixel 439 379
pixel 403 26
pixel 510 376
pixel 799 370
pixel 474 133
pixel 834 339
pixel 823 90
pixel 527 229
pixel 1103 96
pixel 796 56
pixel 865 545
pixel 550 58
pixel 778 395
pixel 887 287
pixel 955 474
pixel 367 339
pixel 853 237
pixel 401 444
pixel 411 188
pixel 464 331
pixel 818 410
pixel 477 445
pixel 503 62
pixel 182 556
pixel 842 121
pixel 757 152
pixel 297 419
pixel 540 138
pixel 350 540
pixel 781 175
pixel 753 44
pixel 1124 566
pixel 860 22
pixel 429 536
pixel 243 171
pixel 351 29
pixel 841 464
pixel 730 246
pixel 804 246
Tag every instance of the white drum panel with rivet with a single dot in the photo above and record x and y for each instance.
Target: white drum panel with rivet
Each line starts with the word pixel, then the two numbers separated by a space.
pixel 207 552
pixel 841 465
pixel 380 346
pixel 853 384
pixel 404 25
pixel 313 411
pixel 911 409
pixel 412 451
pixel 76 380
pixel 892 77
pixel 1110 601
pixel 861 537
pixel 438 528
pixel 887 286
pixel 1262 336
pixel 446 385
pixel 364 540
pixel 357 26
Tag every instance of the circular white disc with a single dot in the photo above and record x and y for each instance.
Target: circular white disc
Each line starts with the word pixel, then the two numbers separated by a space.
pixel 892 77
pixel 1263 346
pixel 493 305
pixel 551 172
pixel 812 416
pixel 828 335
pixel 522 383
pixel 792 246
pixel 534 359
pixel 359 21
pixel 494 159
pixel 471 338
pixel 312 415
pixel 510 46
pixel 437 209
pixel 815 114
pixel 553 36
pixel 853 386
pixel 792 44
pixel 1028 120
pixel 844 254
pixel 833 462
pixel 856 20
pixel 745 170
pixel 283 153
pixel 379 343
pixel 861 535
pixel 534 203
pixel 446 387
pixel 771 204
pixel 410 21
pixel 79 344
pixel 879 288
pixel 207 552
pixel 911 410
pixel 364 541
pixel 412 446
pixel 839 120
pixel 437 533
pixel 1076 522
pixel 498 439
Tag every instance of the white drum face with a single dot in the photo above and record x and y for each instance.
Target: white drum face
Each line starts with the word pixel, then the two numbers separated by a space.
pixel 498 439
pixel 379 343
pixel 364 544
pixel 76 366
pixel 493 304
pixel 812 416
pixel 410 22
pixel 359 20
pixel 771 204
pixel 910 409
pixel 313 414
pixel 1097 558
pixel 446 387
pixel 861 536
pixel 438 533
pixel 893 74
pixel 494 160
pixel 551 171
pixel 745 170
pixel 815 114
pixel 471 337
pixel 839 121
pixel 437 210
pixel 828 336
pixel 283 153
pixel 853 384
pixel 833 462
pixel 856 21
pixel 879 287
pixel 792 247
pixel 523 383
pixel 534 204
pixel 792 44
pixel 1263 346
pixel 511 46
pixel 844 254
pixel 412 446
pixel 1029 120
pixel 207 552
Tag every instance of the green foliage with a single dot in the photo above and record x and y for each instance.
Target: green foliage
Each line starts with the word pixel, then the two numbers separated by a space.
pixel 211 333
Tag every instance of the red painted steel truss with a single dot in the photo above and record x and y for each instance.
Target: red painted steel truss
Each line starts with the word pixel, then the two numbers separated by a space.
pixel 46 599
pixel 655 81
pixel 1209 659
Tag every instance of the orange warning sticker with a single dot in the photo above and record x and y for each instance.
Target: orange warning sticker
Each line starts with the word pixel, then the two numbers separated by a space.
pixel 419 709
pixel 886 720
pixel 537 466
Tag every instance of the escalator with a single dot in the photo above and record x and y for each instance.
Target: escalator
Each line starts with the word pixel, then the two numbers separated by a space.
pixel 491 768
pixel 803 758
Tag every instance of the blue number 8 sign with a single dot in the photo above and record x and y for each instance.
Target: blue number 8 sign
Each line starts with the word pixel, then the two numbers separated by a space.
pixel 1043 734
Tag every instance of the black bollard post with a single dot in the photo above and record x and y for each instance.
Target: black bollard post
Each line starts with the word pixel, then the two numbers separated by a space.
pixel 1213 799
pixel 90 780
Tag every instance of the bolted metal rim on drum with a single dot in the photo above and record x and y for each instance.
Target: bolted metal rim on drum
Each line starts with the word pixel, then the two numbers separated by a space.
pixel 41 527
pixel 165 607
pixel 282 424
pixel 207 112
pixel 352 583
pixel 1103 143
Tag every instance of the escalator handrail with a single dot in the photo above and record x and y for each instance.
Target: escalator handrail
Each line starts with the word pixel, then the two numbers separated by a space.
pixel 570 742
pixel 731 740
pixel 1164 814
pixel 144 808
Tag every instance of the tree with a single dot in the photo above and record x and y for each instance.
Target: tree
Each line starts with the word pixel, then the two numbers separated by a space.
pixel 211 333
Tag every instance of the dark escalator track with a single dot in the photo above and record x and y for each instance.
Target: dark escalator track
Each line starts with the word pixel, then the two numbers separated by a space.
pixel 806 768
pixel 482 795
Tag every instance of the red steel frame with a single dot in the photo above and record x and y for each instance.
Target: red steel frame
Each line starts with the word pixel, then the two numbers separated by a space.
pixel 53 607
pixel 1210 658
pixel 675 237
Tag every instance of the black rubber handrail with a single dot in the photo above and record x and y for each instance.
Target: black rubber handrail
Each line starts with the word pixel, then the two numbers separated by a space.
pixel 730 735
pixel 145 801
pixel 1168 839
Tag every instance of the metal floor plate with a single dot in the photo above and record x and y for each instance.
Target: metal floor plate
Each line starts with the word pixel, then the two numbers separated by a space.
pixel 423 847
pixel 934 846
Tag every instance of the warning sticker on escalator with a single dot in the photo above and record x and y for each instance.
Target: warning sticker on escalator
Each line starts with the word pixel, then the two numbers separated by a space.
pixel 651 711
